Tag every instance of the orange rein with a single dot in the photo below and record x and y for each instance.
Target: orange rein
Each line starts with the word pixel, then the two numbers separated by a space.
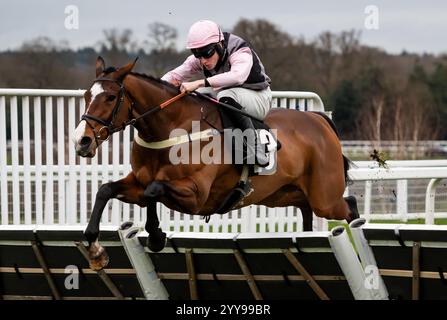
pixel 173 99
pixel 153 110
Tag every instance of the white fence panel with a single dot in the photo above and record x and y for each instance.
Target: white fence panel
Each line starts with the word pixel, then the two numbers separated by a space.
pixel 40 173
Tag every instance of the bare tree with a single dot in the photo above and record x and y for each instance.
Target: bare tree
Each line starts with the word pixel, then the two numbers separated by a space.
pixel 399 128
pixel 370 120
pixel 43 44
pixel 161 42
pixel 325 59
pixel 117 45
pixel 277 49
pixel 348 47
pixel 161 37
pixel 263 35
pixel 419 117
pixel 37 65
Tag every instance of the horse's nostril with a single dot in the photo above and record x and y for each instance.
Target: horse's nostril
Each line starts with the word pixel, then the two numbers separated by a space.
pixel 85 141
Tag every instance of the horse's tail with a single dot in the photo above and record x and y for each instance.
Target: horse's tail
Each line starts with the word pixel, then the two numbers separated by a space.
pixel 346 162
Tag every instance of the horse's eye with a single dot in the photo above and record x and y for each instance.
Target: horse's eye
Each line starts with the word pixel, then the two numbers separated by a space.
pixel 110 98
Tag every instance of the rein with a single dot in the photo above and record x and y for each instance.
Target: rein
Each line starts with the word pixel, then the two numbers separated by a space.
pixel 108 129
pixel 157 108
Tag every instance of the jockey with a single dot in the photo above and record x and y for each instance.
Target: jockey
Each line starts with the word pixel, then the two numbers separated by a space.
pixel 232 72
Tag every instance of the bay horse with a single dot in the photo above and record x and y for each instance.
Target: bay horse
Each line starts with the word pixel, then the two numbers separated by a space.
pixel 311 170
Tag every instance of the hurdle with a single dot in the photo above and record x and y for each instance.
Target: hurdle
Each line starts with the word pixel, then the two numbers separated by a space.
pixel 208 266
pixel 50 262
pixel 411 259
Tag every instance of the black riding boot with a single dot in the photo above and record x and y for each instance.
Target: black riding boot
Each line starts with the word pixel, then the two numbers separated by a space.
pixel 254 151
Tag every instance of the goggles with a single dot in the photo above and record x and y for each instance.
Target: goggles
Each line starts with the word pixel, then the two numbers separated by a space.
pixel 205 52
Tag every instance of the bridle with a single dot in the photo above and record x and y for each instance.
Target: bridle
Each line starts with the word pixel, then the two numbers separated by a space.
pixel 108 127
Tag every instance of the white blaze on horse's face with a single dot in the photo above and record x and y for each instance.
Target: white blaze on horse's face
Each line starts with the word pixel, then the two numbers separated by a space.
pixel 95 90
pixel 79 133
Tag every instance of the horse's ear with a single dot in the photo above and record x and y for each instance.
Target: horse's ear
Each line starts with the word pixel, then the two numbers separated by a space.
pixel 123 71
pixel 100 66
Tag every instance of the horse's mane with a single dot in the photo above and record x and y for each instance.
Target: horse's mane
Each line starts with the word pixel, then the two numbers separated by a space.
pixel 154 79
pixel 150 78
pixel 167 84
pixel 143 76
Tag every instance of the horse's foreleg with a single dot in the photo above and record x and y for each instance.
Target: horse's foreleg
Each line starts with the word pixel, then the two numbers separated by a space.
pixel 156 240
pixel 127 190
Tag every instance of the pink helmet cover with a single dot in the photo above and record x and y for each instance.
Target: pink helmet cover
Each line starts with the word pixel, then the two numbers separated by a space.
pixel 202 33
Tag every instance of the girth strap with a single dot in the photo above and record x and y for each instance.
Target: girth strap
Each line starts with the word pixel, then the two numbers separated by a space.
pixel 176 140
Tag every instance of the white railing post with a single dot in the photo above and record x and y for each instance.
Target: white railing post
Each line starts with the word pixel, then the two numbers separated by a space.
pixel 225 221
pixel 214 221
pixel 106 218
pixel 283 102
pixel 49 188
pixel 234 220
pixel 367 200
pixel 3 165
pixel 319 224
pixel 402 199
pixel 61 161
pixel 299 220
pixel 430 201
pixel 83 179
pixel 116 162
pixel 26 160
pixel 15 161
pixel 72 208
pixel 38 159
pixel 290 218
pixel 301 104
pixel 127 168
pixel 281 213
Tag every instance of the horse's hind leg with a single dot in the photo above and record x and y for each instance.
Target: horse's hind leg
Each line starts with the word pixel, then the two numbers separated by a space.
pixel 127 190
pixel 352 203
pixel 324 189
pixel 306 212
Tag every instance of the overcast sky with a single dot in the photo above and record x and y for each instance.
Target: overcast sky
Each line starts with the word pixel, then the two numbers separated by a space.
pixel 415 26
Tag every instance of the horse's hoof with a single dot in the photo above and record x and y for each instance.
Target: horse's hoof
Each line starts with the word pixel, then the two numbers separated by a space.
pixel 352 203
pixel 156 241
pixel 98 258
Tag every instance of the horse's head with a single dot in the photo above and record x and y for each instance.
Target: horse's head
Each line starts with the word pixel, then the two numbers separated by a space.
pixel 107 108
